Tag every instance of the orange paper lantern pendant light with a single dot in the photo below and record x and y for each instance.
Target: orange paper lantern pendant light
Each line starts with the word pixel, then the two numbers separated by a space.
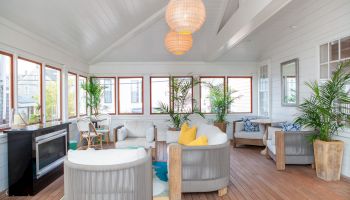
pixel 178 44
pixel 185 16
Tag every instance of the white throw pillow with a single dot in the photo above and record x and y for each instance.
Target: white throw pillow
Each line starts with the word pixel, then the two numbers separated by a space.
pixel 122 134
pixel 150 134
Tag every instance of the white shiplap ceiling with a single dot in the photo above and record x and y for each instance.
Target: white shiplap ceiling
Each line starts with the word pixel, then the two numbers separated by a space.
pixel 125 30
pixel 83 27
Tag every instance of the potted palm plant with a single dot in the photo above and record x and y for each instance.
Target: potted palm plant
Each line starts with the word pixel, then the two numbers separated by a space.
pixel 94 91
pixel 179 96
pixel 327 111
pixel 221 99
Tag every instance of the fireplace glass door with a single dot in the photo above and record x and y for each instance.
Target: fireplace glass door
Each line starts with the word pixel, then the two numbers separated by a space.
pixel 51 151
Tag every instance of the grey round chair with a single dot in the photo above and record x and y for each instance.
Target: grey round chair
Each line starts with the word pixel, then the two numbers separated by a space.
pixel 127 181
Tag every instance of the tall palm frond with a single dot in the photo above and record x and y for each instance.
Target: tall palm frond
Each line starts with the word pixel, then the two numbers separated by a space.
pixel 327 109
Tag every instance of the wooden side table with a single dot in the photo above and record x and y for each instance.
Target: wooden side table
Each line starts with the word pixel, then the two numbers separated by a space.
pixel 266 123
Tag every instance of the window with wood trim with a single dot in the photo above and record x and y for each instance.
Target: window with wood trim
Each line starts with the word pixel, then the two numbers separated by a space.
pixel 332 54
pixel 108 101
pixel 176 84
pixel 72 94
pixel 160 93
pixel 130 95
pixel 242 87
pixel 6 66
pixel 53 91
pixel 29 87
pixel 82 96
pixel 205 83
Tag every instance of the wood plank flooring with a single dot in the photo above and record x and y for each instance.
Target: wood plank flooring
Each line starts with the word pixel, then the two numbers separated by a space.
pixel 253 177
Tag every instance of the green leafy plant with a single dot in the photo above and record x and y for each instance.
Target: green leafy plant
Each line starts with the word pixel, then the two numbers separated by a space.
pixel 35 117
pixel 94 91
pixel 179 96
pixel 221 98
pixel 326 110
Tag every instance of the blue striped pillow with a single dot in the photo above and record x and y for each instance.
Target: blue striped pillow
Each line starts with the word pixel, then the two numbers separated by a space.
pixel 249 126
pixel 290 127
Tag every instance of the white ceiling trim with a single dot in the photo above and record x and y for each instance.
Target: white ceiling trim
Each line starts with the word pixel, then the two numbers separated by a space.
pixel 132 33
pixel 250 15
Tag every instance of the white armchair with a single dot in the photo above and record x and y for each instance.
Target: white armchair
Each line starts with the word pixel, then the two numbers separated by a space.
pixel 136 133
pixel 248 138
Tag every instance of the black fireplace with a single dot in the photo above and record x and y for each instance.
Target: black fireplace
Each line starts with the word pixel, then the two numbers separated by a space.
pixel 35 157
pixel 50 151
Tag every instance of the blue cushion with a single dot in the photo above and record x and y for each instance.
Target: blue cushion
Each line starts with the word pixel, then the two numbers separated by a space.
pixel 249 126
pixel 161 170
pixel 290 127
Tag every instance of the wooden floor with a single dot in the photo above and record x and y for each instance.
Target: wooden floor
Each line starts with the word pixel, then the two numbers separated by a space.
pixel 253 177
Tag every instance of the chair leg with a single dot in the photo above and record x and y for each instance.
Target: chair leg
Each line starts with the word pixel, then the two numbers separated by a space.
pixel 107 138
pixel 222 192
pixel 101 141
pixel 313 166
pixel 80 141
pixel 89 142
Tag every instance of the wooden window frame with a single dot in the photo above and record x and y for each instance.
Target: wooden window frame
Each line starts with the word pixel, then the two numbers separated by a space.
pixel 60 71
pixel 143 102
pixel 86 108
pixel 251 93
pixel 115 87
pixel 76 92
pixel 150 83
pixel 200 89
pixel 12 100
pixel 41 84
pixel 192 90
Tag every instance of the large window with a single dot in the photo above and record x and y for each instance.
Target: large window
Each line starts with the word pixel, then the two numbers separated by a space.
pixel 130 94
pixel 82 96
pixel 205 84
pixel 29 90
pixel 72 95
pixel 264 91
pixel 331 54
pixel 160 93
pixel 52 93
pixel 242 87
pixel 6 61
pixel 108 103
pixel 177 84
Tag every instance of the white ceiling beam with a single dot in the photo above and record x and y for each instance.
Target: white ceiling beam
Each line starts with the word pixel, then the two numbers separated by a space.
pixel 132 33
pixel 220 15
pixel 250 15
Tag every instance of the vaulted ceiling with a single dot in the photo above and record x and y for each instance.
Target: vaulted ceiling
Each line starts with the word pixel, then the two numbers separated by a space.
pixel 134 30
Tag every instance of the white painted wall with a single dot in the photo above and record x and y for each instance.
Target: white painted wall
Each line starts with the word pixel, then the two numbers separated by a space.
pixel 323 25
pixel 21 43
pixel 175 68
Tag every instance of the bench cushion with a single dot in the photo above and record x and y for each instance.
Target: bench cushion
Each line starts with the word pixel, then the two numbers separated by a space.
pixel 249 135
pixel 105 157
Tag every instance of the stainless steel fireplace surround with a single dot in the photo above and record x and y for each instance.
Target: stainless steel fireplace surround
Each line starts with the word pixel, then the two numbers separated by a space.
pixel 50 151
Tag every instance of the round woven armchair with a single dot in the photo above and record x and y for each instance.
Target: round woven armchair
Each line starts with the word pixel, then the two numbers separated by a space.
pixel 126 181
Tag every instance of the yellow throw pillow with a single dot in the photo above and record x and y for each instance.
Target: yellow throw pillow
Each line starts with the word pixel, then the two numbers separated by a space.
pixel 187 134
pixel 200 141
